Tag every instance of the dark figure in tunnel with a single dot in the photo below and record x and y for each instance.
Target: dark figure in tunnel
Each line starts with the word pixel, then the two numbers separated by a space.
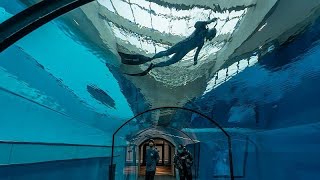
pixel 183 161
pixel 195 40
pixel 152 158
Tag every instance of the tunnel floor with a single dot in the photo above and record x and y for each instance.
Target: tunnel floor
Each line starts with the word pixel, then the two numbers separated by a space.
pixel 161 171
pixel 159 178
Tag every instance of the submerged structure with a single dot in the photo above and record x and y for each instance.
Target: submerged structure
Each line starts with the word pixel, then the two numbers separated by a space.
pixel 248 110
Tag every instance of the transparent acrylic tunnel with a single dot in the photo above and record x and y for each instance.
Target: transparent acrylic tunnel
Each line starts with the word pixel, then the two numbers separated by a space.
pixel 248 110
pixel 211 146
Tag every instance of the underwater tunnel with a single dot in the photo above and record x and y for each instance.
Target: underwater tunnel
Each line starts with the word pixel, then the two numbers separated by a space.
pixel 85 85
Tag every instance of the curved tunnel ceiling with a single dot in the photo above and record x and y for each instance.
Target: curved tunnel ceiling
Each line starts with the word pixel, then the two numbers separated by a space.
pixel 147 27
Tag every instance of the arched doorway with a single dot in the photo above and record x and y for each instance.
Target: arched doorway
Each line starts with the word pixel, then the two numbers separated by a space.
pixel 166 151
pixel 165 168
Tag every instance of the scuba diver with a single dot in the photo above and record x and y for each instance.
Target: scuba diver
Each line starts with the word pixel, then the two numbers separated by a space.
pixel 183 161
pixel 195 40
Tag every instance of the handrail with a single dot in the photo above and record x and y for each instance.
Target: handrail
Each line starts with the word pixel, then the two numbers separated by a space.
pixel 50 161
pixel 53 144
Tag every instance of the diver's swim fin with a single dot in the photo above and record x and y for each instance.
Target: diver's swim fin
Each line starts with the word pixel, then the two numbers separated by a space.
pixel 134 59
pixel 143 73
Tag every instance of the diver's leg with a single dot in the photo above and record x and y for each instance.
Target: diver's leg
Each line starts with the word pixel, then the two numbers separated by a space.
pixel 172 50
pixel 163 53
pixel 189 174
pixel 175 58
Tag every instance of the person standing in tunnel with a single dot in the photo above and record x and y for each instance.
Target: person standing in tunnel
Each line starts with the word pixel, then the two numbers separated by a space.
pixel 183 161
pixel 182 48
pixel 152 158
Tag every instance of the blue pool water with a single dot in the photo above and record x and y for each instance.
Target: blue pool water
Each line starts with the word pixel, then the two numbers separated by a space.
pixel 63 95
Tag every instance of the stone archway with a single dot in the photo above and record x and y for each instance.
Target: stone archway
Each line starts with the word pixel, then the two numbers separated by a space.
pixel 166 151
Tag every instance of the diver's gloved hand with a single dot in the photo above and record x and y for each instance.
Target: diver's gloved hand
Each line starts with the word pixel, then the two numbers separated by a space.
pixel 195 62
pixel 212 20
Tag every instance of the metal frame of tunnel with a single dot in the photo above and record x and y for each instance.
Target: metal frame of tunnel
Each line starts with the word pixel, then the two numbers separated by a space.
pixel 34 17
pixel 170 128
pixel 112 166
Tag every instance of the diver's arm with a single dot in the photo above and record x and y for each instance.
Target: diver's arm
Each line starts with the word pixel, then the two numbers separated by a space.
pixel 212 20
pixel 203 24
pixel 197 54
pixel 209 22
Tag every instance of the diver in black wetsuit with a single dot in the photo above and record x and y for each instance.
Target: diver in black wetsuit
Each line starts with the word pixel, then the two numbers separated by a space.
pixel 195 40
pixel 183 161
